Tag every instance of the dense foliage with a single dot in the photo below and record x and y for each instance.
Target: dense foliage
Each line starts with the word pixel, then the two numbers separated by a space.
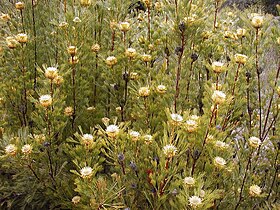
pixel 113 104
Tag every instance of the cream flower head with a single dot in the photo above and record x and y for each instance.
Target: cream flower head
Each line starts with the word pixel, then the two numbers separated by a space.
pixel 11 149
pixel 255 190
pixel 169 150
pixel 240 58
pixel 218 97
pixel 190 181
pixel 45 100
pixel 254 142
pixel 191 126
pixel 195 201
pixel 86 172
pixel 51 73
pixel 144 91
pixel 26 149
pixel 76 199
pixel 217 66
pixel 130 52
pixel 112 130
pixel 219 162
pixel 134 135
pixel 87 139
pixel 111 61
pixel 257 21
pixel 161 89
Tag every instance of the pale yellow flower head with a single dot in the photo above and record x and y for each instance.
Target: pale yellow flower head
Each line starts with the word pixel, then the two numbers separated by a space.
pixel 20 5
pixel 124 26
pixel 191 125
pixel 85 2
pixel 130 52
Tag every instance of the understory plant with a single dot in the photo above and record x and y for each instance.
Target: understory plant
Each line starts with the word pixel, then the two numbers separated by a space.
pixel 153 104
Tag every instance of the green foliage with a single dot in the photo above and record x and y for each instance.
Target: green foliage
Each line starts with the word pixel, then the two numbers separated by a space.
pixel 140 105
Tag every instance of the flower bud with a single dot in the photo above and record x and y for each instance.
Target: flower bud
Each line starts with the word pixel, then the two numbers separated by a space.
pixel 19 5
pixel 45 100
pixel 161 89
pixel 111 61
pixel 85 2
pixel 68 111
pixel 146 58
pixel 76 199
pixel 133 75
pixel 130 53
pixel 51 73
pixel 11 42
pixel 278 40
pixel 58 80
pixel 5 17
pixel 278 90
pixel 73 60
pixel 77 20
pixel 158 6
pixel 240 32
pixel 72 50
pixel 95 48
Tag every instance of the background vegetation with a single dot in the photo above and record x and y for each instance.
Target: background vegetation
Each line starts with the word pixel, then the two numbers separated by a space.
pixel 138 105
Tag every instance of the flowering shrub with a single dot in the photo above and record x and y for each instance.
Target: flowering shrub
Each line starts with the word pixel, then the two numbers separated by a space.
pixel 138 105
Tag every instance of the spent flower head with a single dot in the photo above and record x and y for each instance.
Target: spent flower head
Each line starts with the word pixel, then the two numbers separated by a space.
pixel 190 181
pixel 51 73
